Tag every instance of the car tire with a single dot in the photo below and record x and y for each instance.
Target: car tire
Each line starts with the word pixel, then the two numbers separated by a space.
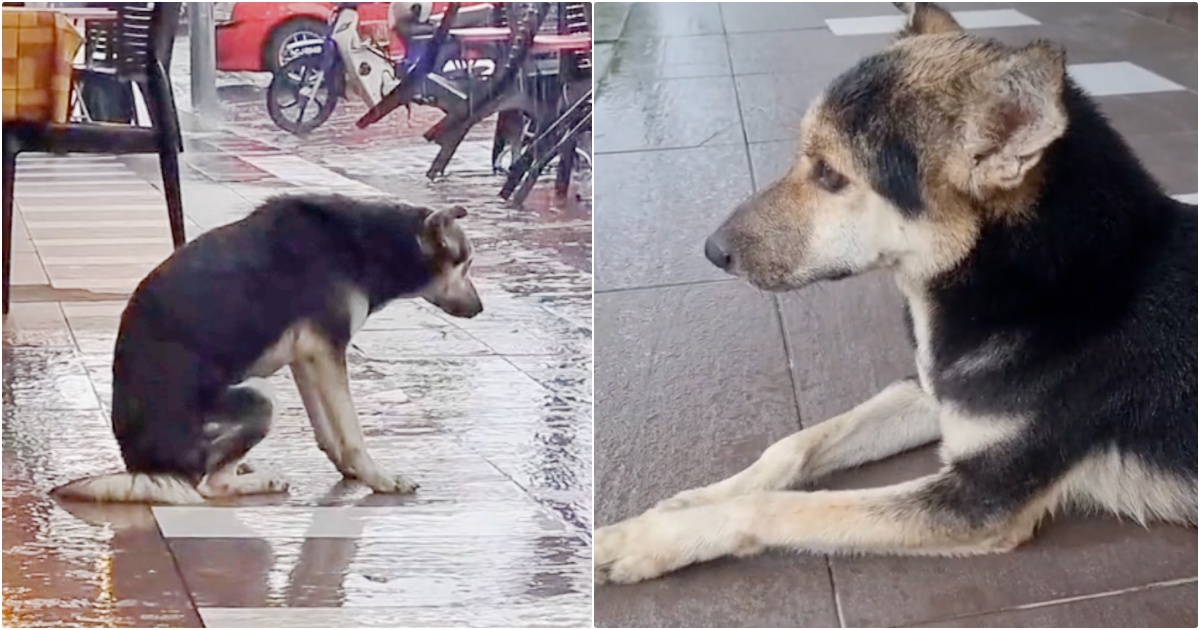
pixel 273 51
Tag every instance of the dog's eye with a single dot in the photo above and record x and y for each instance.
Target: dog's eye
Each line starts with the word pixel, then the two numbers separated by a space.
pixel 828 178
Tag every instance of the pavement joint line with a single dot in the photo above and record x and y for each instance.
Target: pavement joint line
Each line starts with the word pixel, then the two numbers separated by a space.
pixel 1067 600
pixel 669 285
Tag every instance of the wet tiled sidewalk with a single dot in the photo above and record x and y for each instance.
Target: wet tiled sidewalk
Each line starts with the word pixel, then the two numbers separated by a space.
pixel 698 373
pixel 491 415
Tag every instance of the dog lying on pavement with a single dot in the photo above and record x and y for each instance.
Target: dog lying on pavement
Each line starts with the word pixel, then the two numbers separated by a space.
pixel 290 284
pixel 1051 294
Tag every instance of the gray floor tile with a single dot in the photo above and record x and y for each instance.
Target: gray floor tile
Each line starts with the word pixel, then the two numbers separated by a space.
pixel 1149 114
pixel 772 105
pixel 791 52
pixel 753 17
pixel 609 20
pixel 771 160
pixel 1066 559
pixel 653 19
pixel 660 206
pixel 671 57
pixel 847 342
pixel 634 114
pixel 774 591
pixel 692 384
pixel 1162 607
pixel 1170 157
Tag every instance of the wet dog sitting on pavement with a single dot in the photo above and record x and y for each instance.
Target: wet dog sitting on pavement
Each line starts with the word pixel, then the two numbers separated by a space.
pixel 288 285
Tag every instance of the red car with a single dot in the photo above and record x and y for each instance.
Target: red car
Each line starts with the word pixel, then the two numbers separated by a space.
pixel 251 35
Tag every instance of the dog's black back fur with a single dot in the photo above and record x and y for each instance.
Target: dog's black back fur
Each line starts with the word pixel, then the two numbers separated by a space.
pixel 199 321
pixel 1097 289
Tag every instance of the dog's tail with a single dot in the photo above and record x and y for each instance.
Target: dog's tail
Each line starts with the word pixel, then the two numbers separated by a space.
pixel 127 487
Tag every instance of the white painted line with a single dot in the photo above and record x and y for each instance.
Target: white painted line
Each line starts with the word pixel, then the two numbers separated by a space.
pixel 452 601
pixel 27 208
pixel 83 242
pixel 28 170
pixel 80 194
pixel 60 181
pixel 417 521
pixel 102 260
pixel 76 158
pixel 46 225
pixel 1119 78
pixel 1187 198
pixel 886 24
pixel 305 174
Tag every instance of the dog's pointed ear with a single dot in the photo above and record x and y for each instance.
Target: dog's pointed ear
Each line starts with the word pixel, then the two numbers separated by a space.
pixel 1019 113
pixel 926 18
pixel 437 222
pixel 439 219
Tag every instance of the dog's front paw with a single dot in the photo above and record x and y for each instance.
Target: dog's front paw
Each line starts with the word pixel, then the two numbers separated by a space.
pixel 391 484
pixel 277 483
pixel 634 550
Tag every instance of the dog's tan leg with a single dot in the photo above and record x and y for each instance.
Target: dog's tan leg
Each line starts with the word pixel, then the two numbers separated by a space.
pixel 907 518
pixel 230 482
pixel 333 386
pixel 327 441
pixel 900 417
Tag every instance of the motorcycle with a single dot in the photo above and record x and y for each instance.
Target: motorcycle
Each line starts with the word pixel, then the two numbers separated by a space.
pixel 304 93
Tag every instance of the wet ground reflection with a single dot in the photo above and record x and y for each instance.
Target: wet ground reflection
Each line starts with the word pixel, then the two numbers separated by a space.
pixel 491 415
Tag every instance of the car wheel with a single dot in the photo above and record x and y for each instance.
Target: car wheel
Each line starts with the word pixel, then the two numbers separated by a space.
pixel 290 32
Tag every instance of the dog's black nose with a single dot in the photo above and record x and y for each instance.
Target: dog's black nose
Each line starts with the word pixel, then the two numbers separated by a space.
pixel 717 253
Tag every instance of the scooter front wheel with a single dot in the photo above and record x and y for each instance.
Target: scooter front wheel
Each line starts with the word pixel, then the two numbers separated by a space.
pixel 301 96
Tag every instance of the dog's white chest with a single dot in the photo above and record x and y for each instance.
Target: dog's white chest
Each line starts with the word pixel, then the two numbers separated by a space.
pixel 303 338
pixel 921 311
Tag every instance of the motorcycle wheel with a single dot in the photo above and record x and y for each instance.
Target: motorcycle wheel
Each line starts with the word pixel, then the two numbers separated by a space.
pixel 300 98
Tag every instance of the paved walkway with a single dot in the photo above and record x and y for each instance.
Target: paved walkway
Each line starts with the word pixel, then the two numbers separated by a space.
pixel 697 373
pixel 492 415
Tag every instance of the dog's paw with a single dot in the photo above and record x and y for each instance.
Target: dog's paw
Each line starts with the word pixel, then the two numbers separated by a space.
pixel 391 484
pixel 627 552
pixel 277 484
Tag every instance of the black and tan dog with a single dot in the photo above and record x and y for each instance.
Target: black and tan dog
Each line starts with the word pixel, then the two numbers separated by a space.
pixel 288 285
pixel 1051 290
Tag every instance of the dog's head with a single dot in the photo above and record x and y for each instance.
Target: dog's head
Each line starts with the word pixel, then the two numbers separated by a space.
pixel 902 159
pixel 449 253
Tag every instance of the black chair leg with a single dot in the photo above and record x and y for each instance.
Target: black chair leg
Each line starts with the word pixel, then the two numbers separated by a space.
pixel 166 122
pixel 566 165
pixel 10 175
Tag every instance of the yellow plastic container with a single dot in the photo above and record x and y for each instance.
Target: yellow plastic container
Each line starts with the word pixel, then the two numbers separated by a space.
pixel 39 48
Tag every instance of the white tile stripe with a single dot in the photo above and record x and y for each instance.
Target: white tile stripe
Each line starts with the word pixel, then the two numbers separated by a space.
pixel 303 173
pixel 50 261
pixel 36 209
pixel 1187 198
pixel 514 613
pixel 377 523
pixel 149 193
pixel 886 24
pixel 124 240
pixel 24 184
pixel 1119 78
pixel 34 225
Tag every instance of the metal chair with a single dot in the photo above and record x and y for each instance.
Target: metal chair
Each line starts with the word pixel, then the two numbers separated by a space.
pixel 145 33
